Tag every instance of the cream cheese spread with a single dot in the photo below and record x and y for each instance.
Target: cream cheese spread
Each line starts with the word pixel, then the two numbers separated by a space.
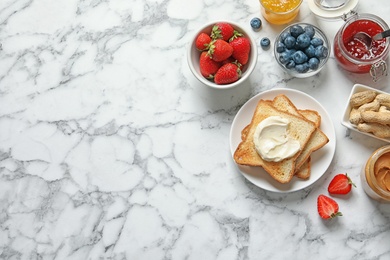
pixel 271 140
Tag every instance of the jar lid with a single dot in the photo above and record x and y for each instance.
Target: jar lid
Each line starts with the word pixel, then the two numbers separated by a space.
pixel 331 9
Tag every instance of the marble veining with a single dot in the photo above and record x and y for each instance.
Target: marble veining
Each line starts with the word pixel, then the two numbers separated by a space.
pixel 111 149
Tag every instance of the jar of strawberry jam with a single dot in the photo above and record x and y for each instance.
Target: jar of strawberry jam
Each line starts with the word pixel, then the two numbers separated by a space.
pixel 353 54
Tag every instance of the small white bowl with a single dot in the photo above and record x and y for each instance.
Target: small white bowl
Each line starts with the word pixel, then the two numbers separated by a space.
pixel 345 121
pixel 193 57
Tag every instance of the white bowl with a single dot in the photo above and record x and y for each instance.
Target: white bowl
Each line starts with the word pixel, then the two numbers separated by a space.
pixel 345 121
pixel 193 57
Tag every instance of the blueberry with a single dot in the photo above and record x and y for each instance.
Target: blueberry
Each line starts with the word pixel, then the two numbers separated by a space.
pixel 310 51
pixel 302 68
pixel 280 47
pixel 321 52
pixel 289 42
pixel 313 63
pixel 265 42
pixel 316 42
pixel 303 41
pixel 256 23
pixel 299 57
pixel 309 30
pixel 284 35
pixel 290 64
pixel 296 30
pixel 285 57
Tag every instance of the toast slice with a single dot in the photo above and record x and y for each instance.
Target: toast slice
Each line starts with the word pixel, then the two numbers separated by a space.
pixel 317 140
pixel 305 170
pixel 312 115
pixel 299 128
pixel 284 103
pixel 302 172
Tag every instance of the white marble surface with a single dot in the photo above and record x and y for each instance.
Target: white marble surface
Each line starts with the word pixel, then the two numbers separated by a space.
pixel 111 149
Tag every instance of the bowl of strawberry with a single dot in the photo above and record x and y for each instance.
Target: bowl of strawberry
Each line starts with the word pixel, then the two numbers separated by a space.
pixel 222 54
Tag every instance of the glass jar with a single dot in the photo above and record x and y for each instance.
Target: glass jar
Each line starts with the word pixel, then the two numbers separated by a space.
pixel 280 11
pixel 353 55
pixel 373 180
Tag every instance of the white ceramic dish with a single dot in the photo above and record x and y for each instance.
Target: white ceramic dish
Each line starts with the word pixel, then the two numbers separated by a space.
pixel 320 160
pixel 193 57
pixel 345 121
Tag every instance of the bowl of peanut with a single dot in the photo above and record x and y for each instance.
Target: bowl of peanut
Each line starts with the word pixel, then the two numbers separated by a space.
pixel 368 112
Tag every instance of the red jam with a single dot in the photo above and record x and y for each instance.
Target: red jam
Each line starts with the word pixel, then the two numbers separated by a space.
pixel 356 47
pixel 351 53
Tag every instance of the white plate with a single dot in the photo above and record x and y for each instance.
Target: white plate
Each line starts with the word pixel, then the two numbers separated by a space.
pixel 320 160
pixel 359 88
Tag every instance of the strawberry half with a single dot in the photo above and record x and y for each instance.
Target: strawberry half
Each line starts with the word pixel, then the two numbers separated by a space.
pixel 227 74
pixel 340 184
pixel 208 67
pixel 222 31
pixel 220 50
pixel 202 42
pixel 327 207
pixel 241 49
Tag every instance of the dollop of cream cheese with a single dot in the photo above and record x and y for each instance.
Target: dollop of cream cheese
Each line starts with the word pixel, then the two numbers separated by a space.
pixel 271 140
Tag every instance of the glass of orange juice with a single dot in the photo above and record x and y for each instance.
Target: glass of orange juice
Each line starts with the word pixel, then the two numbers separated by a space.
pixel 280 11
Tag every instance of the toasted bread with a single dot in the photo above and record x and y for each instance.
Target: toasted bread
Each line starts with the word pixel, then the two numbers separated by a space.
pixel 312 115
pixel 283 103
pixel 244 132
pixel 299 128
pixel 318 139
pixel 305 170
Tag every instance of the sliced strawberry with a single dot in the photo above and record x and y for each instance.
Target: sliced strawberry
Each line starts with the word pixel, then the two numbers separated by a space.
pixel 227 74
pixel 340 184
pixel 220 50
pixel 208 67
pixel 202 41
pixel 222 30
pixel 327 207
pixel 241 49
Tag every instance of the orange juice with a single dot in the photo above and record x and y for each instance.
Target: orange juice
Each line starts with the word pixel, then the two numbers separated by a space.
pixel 280 11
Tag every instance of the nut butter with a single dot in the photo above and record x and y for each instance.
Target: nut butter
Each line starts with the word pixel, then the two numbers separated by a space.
pixel 376 175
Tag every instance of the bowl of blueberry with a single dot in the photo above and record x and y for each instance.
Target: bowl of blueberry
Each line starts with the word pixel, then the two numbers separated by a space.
pixel 302 50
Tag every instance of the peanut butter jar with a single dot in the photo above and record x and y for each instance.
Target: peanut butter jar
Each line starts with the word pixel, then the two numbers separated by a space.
pixel 376 175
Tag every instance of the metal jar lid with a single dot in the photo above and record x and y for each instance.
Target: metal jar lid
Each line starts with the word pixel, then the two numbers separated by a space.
pixel 332 9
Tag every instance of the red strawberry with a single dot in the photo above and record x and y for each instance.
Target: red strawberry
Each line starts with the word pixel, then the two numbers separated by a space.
pixel 228 73
pixel 220 50
pixel 241 48
pixel 202 41
pixel 229 60
pixel 327 207
pixel 208 67
pixel 340 184
pixel 222 31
